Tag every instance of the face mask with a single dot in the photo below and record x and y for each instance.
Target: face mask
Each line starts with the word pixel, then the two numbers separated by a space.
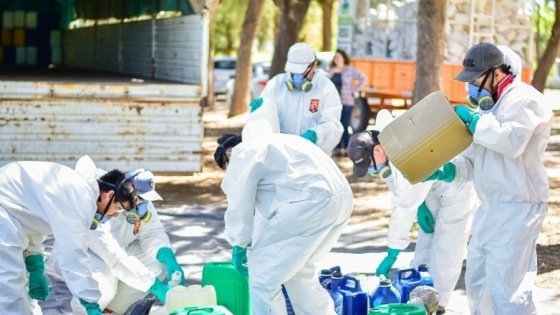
pixel 140 213
pixel 483 100
pixel 373 171
pixel 298 81
pixel 98 219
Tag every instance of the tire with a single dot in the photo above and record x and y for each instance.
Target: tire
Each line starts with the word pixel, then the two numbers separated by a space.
pixel 359 120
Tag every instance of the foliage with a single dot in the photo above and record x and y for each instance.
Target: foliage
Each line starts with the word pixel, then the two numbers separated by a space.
pixel 226 26
pixel 543 19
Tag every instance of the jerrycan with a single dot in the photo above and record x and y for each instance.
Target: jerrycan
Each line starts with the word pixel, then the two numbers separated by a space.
pixel 425 275
pixel 336 280
pixel 355 299
pixel 399 309
pixel 232 289
pixel 180 297
pixel 385 294
pixel 407 279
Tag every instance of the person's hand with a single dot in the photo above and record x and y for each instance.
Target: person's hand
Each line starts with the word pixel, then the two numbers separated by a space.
pixel 467 116
pixel 166 257
pixel 38 284
pixel 255 103
pixel 310 135
pixel 239 260
pixel 91 308
pixel 159 289
pixel 445 174
pixel 387 263
pixel 425 219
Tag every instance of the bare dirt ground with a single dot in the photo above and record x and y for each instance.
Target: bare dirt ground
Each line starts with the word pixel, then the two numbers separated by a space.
pixel 204 189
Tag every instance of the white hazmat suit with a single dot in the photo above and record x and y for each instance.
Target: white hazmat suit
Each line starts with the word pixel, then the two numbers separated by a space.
pixel 298 111
pixel 124 263
pixel 452 206
pixel 39 199
pixel 506 161
pixel 306 201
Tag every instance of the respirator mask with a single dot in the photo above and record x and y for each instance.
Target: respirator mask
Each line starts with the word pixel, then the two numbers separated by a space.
pixel 299 81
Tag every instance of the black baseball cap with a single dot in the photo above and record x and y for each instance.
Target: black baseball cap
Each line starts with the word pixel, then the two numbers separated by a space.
pixel 360 149
pixel 479 59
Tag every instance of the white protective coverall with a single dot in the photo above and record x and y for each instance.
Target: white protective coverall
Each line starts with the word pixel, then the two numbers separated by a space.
pixel 306 201
pixel 452 206
pixel 39 199
pixel 125 264
pixel 506 162
pixel 298 111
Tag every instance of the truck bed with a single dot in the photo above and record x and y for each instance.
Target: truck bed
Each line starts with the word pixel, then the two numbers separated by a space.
pixel 73 75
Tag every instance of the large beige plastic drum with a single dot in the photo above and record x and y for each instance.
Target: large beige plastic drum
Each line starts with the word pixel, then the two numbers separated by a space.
pixel 424 138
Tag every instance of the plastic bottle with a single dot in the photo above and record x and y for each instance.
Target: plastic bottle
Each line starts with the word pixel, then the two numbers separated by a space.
pixel 193 295
pixel 409 278
pixel 355 299
pixel 337 297
pixel 385 294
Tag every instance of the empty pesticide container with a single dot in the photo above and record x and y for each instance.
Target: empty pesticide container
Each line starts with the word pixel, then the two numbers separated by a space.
pixel 31 20
pixel 406 279
pixel 19 19
pixel 8 19
pixel 19 37
pixel 232 289
pixel 399 309
pixel 385 294
pixel 202 310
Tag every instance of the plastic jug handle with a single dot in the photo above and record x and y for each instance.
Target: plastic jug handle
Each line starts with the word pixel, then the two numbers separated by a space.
pixel 205 310
pixel 402 271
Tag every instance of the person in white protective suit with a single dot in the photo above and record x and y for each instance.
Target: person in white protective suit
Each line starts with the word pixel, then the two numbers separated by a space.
pixel 306 201
pixel 130 252
pixel 308 103
pixel 42 198
pixel 511 128
pixel 444 213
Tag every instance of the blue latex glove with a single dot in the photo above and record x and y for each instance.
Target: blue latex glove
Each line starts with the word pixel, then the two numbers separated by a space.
pixel 256 103
pixel 425 219
pixel 165 256
pixel 468 116
pixel 445 174
pixel 310 135
pixel 239 260
pixel 159 289
pixel 91 308
pixel 38 285
pixel 387 263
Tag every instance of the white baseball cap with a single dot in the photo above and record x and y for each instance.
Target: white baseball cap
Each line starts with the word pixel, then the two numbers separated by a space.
pixel 144 182
pixel 300 56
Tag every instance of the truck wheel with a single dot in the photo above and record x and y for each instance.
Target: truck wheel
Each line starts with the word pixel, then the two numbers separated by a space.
pixel 359 119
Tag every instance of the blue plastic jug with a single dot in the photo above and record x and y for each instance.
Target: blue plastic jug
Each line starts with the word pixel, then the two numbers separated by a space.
pixel 336 280
pixel 409 278
pixel 355 299
pixel 385 294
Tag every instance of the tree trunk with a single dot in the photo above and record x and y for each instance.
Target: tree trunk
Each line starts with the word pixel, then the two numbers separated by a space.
pixel 429 56
pixel 243 69
pixel 548 57
pixel 210 101
pixel 292 14
pixel 327 8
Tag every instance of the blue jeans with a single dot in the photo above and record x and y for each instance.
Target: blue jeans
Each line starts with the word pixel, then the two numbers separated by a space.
pixel 345 121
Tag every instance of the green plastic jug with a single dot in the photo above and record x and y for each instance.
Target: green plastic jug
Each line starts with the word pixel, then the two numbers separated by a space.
pixel 232 289
pixel 202 310
pixel 399 309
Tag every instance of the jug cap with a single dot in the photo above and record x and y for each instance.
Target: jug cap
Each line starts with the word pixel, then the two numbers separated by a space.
pixel 326 272
pixel 423 267
pixel 385 283
pixel 337 275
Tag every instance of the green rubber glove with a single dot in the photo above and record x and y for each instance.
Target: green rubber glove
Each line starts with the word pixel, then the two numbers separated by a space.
pixel 425 219
pixel 165 256
pixel 445 174
pixel 387 263
pixel 256 103
pixel 310 135
pixel 91 308
pixel 239 260
pixel 38 285
pixel 468 116
pixel 159 289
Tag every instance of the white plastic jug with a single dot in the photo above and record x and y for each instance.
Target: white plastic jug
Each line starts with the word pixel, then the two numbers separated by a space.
pixel 193 295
